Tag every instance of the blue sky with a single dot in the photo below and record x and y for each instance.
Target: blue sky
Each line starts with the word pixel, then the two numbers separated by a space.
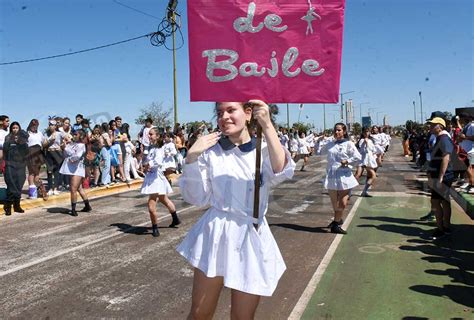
pixel 392 50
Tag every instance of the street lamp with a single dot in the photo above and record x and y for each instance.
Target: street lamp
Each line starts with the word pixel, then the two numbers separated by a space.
pixel 421 107
pixel 378 116
pixel 342 105
pixel 324 116
pixel 414 110
pixel 360 111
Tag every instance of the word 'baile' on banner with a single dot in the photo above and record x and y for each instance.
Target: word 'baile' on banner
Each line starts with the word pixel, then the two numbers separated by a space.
pixel 276 51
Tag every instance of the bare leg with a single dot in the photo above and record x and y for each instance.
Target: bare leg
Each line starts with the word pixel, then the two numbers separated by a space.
pixel 152 208
pixel 206 293
pixel 162 198
pixel 243 305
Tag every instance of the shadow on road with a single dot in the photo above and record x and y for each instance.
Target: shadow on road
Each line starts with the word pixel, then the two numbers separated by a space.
pixel 452 257
pixel 59 210
pixel 127 228
pixel 297 227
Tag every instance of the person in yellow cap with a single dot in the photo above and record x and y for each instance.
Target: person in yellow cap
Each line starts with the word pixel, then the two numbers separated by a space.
pixel 441 176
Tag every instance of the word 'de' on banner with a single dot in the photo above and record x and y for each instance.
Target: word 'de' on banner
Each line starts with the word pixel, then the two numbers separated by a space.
pixel 273 50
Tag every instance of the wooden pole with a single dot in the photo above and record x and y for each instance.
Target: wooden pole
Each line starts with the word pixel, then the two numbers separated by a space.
pixel 258 164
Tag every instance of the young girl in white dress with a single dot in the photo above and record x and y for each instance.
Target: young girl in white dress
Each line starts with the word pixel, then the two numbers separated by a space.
pixel 369 160
pixel 341 152
pixel 303 149
pixel 73 165
pixel 379 144
pixel 224 247
pixel 155 184
pixel 170 151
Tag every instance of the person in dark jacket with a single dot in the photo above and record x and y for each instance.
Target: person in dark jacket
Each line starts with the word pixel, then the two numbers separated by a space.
pixel 15 151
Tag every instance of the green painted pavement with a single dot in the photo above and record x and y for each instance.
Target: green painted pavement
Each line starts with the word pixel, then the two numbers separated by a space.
pixel 386 268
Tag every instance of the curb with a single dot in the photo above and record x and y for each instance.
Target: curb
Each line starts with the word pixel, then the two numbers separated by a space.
pixel 64 197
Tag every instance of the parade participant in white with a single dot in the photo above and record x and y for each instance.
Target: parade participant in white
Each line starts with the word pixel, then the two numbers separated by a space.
pixel 339 179
pixel 155 184
pixel 73 165
pixel 379 144
pixel 369 160
pixel 303 149
pixel 224 246
pixel 170 151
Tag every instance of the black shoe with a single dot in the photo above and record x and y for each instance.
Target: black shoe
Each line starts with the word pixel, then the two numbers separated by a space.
pixel 336 228
pixel 334 222
pixel 74 213
pixel 429 217
pixel 8 210
pixel 175 222
pixel 437 234
pixel 155 232
pixel 366 195
pixel 17 207
pixel 86 209
pixel 447 231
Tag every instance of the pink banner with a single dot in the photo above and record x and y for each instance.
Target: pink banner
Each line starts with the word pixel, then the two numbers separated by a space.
pixel 276 51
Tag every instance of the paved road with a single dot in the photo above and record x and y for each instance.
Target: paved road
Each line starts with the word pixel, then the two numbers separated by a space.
pixel 106 264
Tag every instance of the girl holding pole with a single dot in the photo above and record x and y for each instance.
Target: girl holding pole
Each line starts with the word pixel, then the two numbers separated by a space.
pixel 224 246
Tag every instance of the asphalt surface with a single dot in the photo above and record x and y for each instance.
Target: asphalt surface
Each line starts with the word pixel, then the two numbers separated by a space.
pixel 106 264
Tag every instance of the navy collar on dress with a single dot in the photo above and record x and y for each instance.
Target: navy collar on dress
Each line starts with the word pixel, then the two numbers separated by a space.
pixel 340 141
pixel 227 145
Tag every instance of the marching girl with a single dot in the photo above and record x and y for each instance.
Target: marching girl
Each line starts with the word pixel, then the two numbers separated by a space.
pixel 369 160
pixel 73 166
pixel 170 151
pixel 155 184
pixel 224 247
pixel 341 152
pixel 303 149
pixel 378 142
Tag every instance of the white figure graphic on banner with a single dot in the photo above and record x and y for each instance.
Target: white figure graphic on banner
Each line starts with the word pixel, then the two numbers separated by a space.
pixel 309 17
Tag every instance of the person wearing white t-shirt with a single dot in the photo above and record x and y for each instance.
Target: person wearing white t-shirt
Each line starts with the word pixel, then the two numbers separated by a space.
pixel 36 142
pixel 467 143
pixel 144 136
pixel 4 123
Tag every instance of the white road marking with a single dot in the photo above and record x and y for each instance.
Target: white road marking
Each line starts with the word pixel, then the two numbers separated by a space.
pixel 57 229
pixel 300 208
pixel 84 245
pixel 313 283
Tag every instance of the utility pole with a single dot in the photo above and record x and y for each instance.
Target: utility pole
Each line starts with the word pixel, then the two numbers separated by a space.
pixel 288 116
pixel 414 110
pixel 172 4
pixel 324 116
pixel 421 107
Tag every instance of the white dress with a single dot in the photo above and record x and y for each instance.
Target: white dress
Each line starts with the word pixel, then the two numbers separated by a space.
pixel 378 142
pixel 155 181
pixel 224 241
pixel 367 151
pixel 337 176
pixel 73 164
pixel 303 146
pixel 170 151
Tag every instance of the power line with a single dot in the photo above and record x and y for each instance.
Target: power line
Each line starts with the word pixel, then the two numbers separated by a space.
pixel 76 52
pixel 136 10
